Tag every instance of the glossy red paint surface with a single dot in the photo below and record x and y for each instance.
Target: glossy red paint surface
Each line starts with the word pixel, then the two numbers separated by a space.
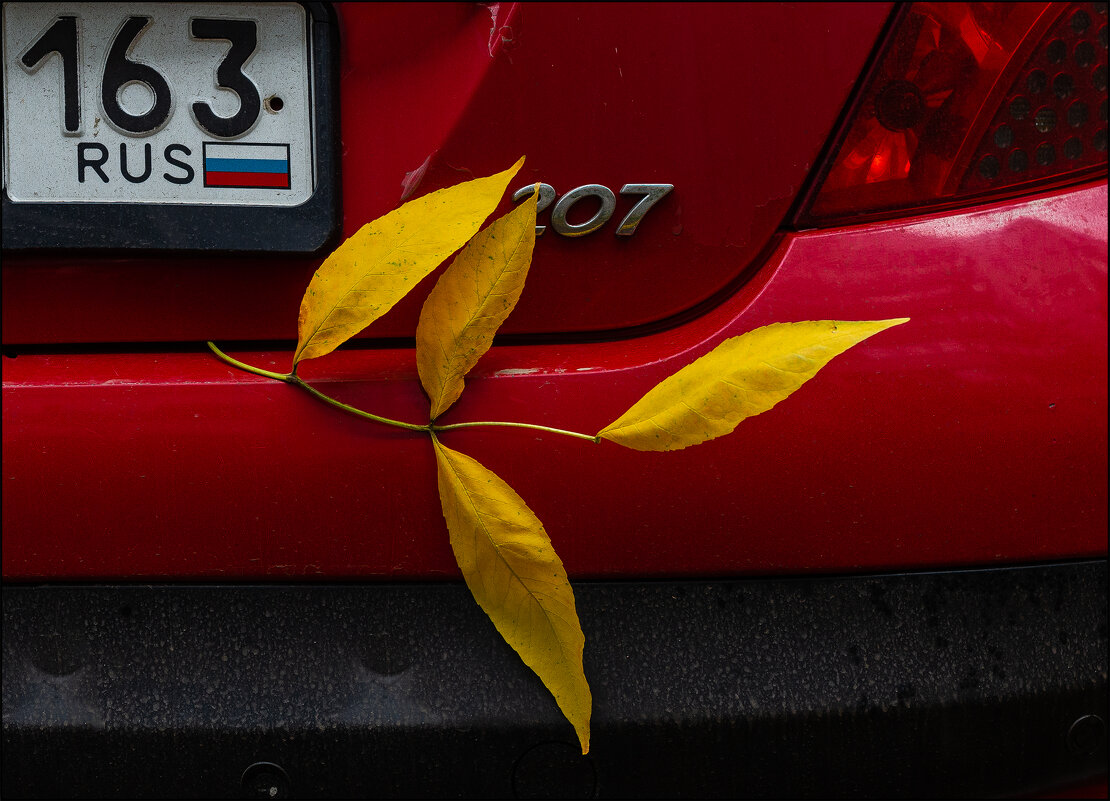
pixel 975 434
pixel 591 93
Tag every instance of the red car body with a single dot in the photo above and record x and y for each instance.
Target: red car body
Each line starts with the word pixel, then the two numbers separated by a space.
pixel 974 436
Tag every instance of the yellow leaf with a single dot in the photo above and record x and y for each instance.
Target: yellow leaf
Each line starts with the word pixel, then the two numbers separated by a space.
pixel 470 302
pixel 517 578
pixel 741 377
pixel 377 266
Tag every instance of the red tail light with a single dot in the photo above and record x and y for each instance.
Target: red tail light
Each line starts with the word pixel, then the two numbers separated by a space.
pixel 972 99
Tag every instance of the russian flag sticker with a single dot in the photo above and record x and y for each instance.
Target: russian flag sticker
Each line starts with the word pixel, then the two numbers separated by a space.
pixel 243 166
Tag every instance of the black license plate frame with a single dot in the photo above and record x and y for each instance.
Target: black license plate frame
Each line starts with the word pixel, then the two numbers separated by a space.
pixel 312 227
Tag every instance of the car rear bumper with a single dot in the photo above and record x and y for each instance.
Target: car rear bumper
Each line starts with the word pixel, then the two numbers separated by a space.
pixel 958 439
pixel 960 683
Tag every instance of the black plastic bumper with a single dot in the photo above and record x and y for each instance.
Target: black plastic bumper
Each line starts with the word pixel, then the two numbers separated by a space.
pixel 967 683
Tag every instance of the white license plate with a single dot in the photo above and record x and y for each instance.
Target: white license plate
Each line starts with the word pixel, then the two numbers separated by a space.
pixel 158 103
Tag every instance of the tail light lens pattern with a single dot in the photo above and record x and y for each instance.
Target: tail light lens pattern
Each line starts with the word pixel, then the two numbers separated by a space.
pixel 970 100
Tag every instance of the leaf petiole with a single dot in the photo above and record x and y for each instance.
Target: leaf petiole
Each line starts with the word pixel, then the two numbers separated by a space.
pixel 293 378
pixel 453 426
pixel 287 378
pixel 340 405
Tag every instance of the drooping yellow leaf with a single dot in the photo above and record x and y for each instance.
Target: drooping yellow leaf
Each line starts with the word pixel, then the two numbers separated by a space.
pixel 517 578
pixel 741 377
pixel 377 266
pixel 470 301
